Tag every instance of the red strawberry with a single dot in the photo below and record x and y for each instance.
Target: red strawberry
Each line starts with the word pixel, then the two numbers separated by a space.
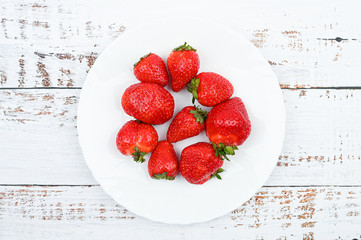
pixel 189 122
pixel 137 139
pixel 228 123
pixel 151 69
pixel 199 163
pixel 163 163
pixel 148 102
pixel 210 89
pixel 183 65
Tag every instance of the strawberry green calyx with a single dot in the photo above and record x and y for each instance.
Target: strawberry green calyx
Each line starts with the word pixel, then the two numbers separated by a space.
pixel 185 47
pixel 192 87
pixel 138 156
pixel 216 174
pixel 223 150
pixel 199 115
pixel 162 176
pixel 135 64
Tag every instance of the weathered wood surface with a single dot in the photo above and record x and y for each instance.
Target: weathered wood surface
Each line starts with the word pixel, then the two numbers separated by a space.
pixel 309 44
pixel 54 44
pixel 39 145
pixel 88 213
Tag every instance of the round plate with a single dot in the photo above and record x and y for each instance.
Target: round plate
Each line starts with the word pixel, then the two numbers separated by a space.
pixel 100 116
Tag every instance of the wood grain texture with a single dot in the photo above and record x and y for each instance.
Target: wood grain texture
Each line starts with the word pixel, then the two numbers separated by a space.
pixel 39 145
pixel 51 43
pixel 47 44
pixel 38 132
pixel 88 213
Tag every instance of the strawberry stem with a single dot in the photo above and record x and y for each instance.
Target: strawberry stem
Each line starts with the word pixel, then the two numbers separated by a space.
pixel 192 87
pixel 135 64
pixel 138 156
pixel 223 150
pixel 162 176
pixel 185 47
pixel 199 114
pixel 216 174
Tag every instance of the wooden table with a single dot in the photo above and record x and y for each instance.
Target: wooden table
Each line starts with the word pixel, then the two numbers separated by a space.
pixel 46 49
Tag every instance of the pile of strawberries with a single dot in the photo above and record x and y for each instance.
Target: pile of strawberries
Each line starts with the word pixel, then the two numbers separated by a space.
pixel 227 124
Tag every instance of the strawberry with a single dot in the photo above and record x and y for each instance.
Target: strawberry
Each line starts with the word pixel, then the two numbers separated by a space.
pixel 228 124
pixel 199 163
pixel 183 65
pixel 210 89
pixel 148 102
pixel 163 163
pixel 189 122
pixel 137 139
pixel 151 68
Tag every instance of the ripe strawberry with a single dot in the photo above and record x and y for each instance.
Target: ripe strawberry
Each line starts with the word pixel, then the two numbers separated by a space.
pixel 228 123
pixel 183 65
pixel 148 102
pixel 199 163
pixel 189 122
pixel 151 69
pixel 137 139
pixel 163 163
pixel 210 89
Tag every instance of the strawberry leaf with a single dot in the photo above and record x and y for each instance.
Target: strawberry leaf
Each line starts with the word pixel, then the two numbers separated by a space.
pixel 138 156
pixel 223 150
pixel 135 64
pixel 162 176
pixel 185 47
pixel 199 114
pixel 216 174
pixel 192 87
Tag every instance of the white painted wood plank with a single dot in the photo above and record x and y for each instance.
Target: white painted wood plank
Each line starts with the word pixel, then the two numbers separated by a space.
pixel 47 43
pixel 38 138
pixel 88 213
pixel 322 142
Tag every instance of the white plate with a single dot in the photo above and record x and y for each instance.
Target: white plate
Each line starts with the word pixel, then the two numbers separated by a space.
pixel 100 116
